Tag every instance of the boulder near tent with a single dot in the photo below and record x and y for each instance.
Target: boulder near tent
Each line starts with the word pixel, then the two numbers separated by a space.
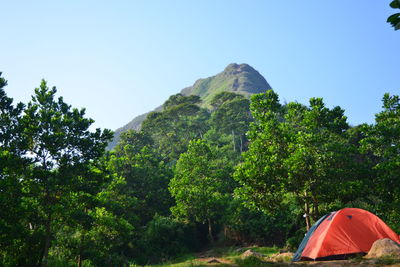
pixel 343 233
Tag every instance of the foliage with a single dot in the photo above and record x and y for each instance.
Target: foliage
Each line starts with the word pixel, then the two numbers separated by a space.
pixel 103 229
pixel 298 150
pixel 247 226
pixel 65 201
pixel 172 129
pixel 16 240
pixel 394 19
pixel 236 78
pixel 201 185
pixel 231 116
pixel 383 141
pixel 145 173
pixel 61 148
pixel 166 238
pixel 261 169
pixel 56 150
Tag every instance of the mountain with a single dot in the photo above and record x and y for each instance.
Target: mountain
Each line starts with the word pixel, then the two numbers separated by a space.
pixel 238 78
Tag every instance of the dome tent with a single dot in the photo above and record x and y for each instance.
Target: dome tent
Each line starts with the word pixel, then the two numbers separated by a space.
pixel 342 233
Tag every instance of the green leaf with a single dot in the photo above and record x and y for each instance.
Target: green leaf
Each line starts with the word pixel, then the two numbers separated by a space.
pixel 394 20
pixel 395 4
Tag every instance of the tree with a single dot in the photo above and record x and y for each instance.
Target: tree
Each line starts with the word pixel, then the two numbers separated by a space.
pixel 297 150
pixel 61 150
pixel 261 174
pixel 383 141
pixel 14 232
pixel 180 121
pixel 202 185
pixel 231 116
pixel 320 158
pixel 145 173
pixel 394 19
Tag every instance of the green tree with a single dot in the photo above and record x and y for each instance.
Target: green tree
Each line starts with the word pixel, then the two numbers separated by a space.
pixel 250 226
pixel 320 159
pixel 394 19
pixel 231 116
pixel 61 150
pixel 261 174
pixel 297 150
pixel 145 173
pixel 98 223
pixel 180 121
pixel 383 141
pixel 202 185
pixel 112 237
pixel 14 233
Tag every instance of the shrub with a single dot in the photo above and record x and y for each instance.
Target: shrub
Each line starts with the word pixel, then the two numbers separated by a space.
pixel 165 238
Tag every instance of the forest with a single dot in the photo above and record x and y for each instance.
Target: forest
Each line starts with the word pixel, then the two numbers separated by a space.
pixel 240 171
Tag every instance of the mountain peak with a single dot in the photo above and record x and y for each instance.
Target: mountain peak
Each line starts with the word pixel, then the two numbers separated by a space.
pixel 234 68
pixel 238 78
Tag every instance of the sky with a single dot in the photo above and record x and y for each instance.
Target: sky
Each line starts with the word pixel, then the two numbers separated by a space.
pixel 119 59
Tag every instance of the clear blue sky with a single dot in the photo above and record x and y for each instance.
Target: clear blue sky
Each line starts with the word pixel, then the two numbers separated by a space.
pixel 123 58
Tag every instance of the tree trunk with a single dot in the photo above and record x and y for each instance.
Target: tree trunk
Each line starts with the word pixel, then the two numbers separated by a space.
pixel 210 232
pixel 81 249
pixel 307 215
pixel 241 145
pixel 79 260
pixel 316 209
pixel 47 242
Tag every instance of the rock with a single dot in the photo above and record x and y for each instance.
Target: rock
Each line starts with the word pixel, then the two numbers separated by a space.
pixel 250 253
pixel 239 250
pixel 384 248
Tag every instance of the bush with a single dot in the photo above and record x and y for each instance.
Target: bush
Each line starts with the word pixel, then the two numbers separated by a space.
pixel 245 226
pixel 165 238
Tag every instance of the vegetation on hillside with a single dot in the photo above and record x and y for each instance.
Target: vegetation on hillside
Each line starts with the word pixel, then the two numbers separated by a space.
pixel 236 78
pixel 236 172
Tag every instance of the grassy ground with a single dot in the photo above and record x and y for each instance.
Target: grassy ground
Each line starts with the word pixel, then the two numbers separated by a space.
pixel 221 257
pixel 231 257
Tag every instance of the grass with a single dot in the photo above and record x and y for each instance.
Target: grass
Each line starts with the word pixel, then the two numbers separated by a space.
pixel 229 256
pixel 254 262
pixel 57 262
pixel 384 261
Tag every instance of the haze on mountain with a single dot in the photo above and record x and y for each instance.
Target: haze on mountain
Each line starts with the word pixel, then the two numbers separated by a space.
pixel 238 78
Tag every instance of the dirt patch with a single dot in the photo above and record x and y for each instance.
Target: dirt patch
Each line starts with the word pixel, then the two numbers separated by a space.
pixel 214 261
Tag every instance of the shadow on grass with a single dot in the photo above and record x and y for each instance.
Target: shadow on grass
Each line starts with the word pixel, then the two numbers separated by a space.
pixel 255 262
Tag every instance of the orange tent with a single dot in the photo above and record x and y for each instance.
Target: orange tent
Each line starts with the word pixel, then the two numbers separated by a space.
pixel 343 233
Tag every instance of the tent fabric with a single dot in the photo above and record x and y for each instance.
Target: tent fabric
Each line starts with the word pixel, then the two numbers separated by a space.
pixel 297 255
pixel 345 232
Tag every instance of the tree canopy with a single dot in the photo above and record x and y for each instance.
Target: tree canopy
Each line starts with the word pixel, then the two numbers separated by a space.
pixel 234 170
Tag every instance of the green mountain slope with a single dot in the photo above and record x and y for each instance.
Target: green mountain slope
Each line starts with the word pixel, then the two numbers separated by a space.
pixel 238 78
